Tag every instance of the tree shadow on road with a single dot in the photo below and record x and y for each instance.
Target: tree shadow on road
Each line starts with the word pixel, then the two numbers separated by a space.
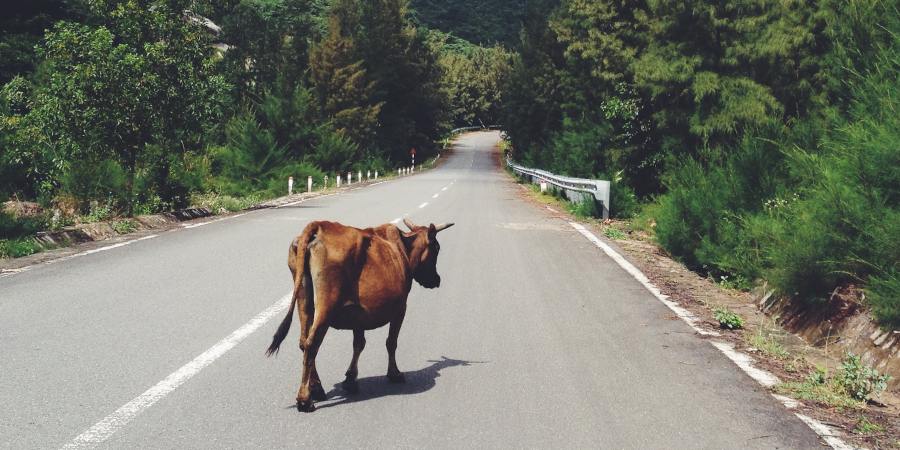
pixel 417 382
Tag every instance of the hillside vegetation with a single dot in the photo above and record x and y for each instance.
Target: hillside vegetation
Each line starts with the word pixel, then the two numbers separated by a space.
pixel 139 106
pixel 762 135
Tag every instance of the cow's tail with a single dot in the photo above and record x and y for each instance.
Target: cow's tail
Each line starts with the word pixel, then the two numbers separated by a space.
pixel 298 262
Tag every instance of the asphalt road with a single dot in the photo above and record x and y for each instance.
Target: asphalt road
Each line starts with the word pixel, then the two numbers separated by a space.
pixel 536 339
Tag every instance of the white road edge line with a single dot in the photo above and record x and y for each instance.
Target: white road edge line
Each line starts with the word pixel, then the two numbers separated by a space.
pixel 423 205
pixel 684 314
pixel 552 210
pixel 202 224
pixel 397 220
pixel 743 361
pixel 77 255
pixel 104 429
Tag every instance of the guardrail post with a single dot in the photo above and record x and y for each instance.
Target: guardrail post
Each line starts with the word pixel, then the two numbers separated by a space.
pixel 290 185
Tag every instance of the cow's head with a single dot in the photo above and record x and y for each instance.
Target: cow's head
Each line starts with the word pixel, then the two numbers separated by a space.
pixel 423 248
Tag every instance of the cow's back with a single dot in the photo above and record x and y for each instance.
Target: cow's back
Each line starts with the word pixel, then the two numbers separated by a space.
pixel 369 268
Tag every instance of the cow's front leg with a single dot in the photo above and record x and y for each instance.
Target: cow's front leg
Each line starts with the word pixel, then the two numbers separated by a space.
pixel 359 343
pixel 394 374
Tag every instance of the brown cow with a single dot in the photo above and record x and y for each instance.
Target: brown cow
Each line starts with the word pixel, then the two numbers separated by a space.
pixel 354 279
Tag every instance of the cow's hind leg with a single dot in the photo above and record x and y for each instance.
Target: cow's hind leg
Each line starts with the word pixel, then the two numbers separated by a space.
pixel 306 313
pixel 359 343
pixel 326 296
pixel 394 374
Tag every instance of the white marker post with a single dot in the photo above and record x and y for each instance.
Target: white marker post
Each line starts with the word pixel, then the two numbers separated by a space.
pixel 325 185
pixel 349 178
pixel 368 174
pixel 290 185
pixel 338 178
pixel 309 183
pixel 376 175
pixel 359 177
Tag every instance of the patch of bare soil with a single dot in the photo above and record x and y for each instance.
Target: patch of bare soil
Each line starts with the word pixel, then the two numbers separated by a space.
pixel 775 349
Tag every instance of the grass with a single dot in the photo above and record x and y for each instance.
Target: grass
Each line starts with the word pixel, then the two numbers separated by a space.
pixel 614 233
pixel 864 426
pixel 850 387
pixel 220 204
pixel 124 226
pixel 17 248
pixel 765 340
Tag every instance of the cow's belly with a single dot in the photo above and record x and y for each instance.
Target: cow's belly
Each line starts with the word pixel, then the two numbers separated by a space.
pixel 354 316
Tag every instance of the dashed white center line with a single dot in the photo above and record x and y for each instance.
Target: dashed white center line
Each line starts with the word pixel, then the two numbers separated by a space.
pixel 423 205
pixel 445 188
pixel 435 195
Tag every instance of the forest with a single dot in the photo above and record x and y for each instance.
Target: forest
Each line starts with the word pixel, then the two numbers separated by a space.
pixel 126 107
pixel 757 140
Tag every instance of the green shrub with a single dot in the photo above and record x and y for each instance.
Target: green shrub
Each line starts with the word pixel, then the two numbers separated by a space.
pixel 587 207
pixel 16 227
pixel 728 319
pixel 17 248
pixel 860 381
pixel 124 226
pixel 883 294
pixel 90 180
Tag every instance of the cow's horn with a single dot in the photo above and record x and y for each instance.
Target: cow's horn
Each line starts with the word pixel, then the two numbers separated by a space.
pixel 409 224
pixel 443 226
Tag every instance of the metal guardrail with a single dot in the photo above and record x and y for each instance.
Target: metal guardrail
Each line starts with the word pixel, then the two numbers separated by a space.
pixel 576 189
pixel 475 128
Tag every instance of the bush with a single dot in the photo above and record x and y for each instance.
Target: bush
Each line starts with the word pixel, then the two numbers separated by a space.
pixel 883 294
pixel 860 381
pixel 17 227
pixel 728 319
pixel 89 180
pixel 17 248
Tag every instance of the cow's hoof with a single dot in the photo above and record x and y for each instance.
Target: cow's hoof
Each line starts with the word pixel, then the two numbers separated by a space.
pixel 396 377
pixel 351 386
pixel 306 406
pixel 318 393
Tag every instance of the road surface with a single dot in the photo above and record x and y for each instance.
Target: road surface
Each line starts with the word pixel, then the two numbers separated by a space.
pixel 536 339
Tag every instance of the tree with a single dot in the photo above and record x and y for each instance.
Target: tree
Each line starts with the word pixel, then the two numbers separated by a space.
pixel 141 78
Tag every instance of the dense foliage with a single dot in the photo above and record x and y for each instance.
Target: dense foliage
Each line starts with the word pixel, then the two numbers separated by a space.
pixel 486 22
pixel 765 131
pixel 142 104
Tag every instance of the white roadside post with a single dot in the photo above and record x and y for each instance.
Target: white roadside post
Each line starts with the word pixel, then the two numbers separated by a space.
pixel 368 174
pixel 349 178
pixel 338 178
pixel 325 185
pixel 359 177
pixel 290 185
pixel 376 175
pixel 309 183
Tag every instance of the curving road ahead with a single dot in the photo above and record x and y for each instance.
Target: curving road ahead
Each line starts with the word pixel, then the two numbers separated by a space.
pixel 535 339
